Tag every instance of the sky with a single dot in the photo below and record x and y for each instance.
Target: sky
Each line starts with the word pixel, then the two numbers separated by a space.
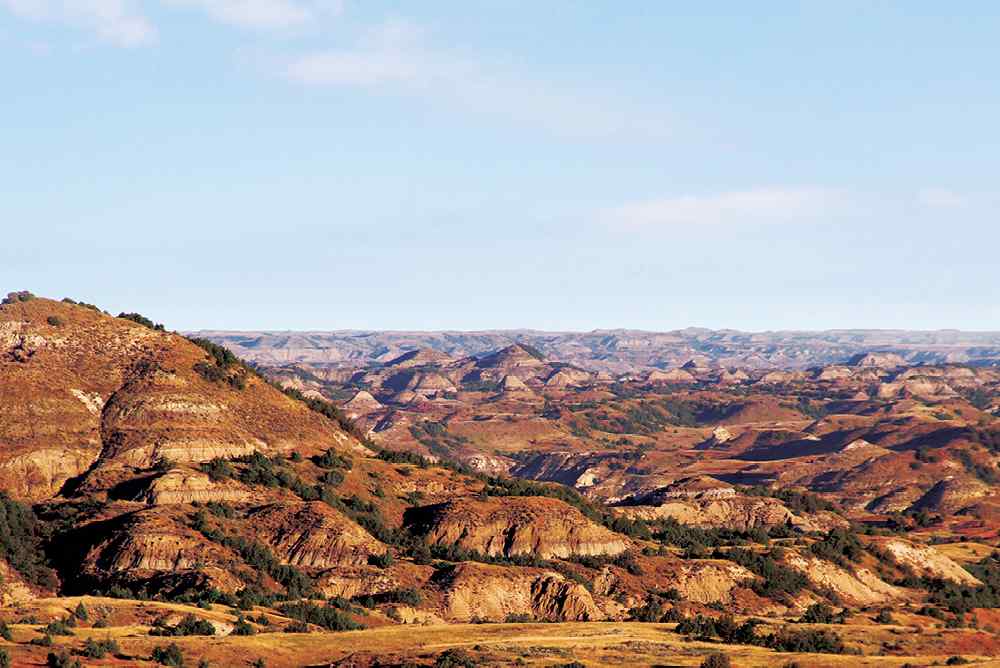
pixel 325 164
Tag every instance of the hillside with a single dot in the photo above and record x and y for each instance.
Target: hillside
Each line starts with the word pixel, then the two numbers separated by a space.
pixel 155 487
pixel 619 350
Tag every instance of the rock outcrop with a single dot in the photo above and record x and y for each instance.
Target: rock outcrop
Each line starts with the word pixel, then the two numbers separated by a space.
pixel 190 486
pixel 512 526
pixel 858 587
pixel 473 591
pixel 84 393
pixel 924 560
pixel 313 535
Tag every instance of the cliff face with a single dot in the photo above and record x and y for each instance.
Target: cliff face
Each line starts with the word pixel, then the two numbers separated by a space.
pixel 697 580
pixel 180 485
pixel 926 561
pixel 741 513
pixel 313 535
pixel 82 392
pixel 513 526
pixel 859 586
pixel 480 591
pixel 149 544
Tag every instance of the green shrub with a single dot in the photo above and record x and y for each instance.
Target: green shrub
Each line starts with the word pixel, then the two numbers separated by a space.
pixel 5 631
pixel 55 321
pixel 454 658
pixel 21 537
pixel 218 469
pixel 60 627
pixel 817 613
pixel 61 660
pixel 142 320
pixel 98 649
pixel 841 546
pixel 188 626
pixel 168 655
pixel 4 659
pixel 243 628
pixel 15 297
pixel 327 617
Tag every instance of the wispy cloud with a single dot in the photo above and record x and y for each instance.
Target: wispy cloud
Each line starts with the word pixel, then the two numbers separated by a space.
pixel 264 14
pixel 754 206
pixel 117 22
pixel 942 198
pixel 122 22
pixel 398 57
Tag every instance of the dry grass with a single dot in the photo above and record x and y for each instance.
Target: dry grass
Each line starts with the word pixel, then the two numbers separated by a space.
pixel 593 644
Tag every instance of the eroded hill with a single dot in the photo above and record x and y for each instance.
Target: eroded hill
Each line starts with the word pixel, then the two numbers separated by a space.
pixel 170 490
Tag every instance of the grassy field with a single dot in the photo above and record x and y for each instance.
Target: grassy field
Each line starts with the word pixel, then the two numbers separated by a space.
pixel 549 645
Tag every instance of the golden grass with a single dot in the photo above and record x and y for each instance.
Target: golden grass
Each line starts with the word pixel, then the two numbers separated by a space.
pixel 592 644
pixel 965 552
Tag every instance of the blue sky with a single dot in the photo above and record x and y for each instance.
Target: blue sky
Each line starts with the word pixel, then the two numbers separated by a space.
pixel 314 164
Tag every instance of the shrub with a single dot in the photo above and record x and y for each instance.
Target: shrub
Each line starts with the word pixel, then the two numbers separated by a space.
pixel 883 617
pixel 81 612
pixel 188 626
pixel 840 546
pixel 168 655
pixel 454 658
pixel 44 641
pixel 243 628
pixel 807 641
pixel 217 469
pixel 61 660
pixel 327 617
pixel 404 596
pixel 381 560
pixel 817 613
pixel 55 321
pixel 97 649
pixel 21 538
pixel 4 659
pixel 59 627
pixel 717 660
pixel 14 297
pixel 5 631
pixel 331 459
pixel 776 580
pixel 142 320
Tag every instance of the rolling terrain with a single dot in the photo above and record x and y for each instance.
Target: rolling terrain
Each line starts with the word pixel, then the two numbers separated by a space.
pixel 161 498
pixel 618 350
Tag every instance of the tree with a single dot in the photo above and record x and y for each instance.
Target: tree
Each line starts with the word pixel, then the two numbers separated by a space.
pixel 168 655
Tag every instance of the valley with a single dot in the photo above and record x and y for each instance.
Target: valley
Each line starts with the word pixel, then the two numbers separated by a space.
pixel 169 497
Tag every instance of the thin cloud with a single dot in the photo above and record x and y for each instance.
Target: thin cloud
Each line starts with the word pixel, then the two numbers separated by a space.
pixel 396 57
pixel 264 14
pixel 117 22
pixel 755 206
pixel 941 198
pixel 122 23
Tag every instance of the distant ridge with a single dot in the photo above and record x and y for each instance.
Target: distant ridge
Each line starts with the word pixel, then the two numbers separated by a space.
pixel 620 350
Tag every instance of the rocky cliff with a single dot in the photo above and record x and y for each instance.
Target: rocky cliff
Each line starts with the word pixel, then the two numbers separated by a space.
pixel 513 526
